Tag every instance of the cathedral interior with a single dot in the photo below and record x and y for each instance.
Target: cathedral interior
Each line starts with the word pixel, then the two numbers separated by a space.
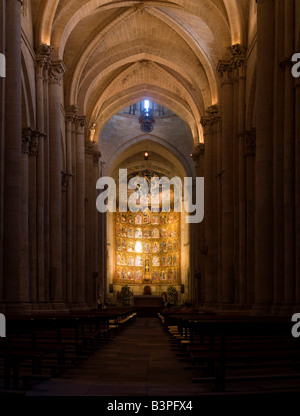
pixel 158 89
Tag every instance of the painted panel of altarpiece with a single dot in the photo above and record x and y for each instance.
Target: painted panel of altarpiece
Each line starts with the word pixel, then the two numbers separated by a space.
pixel 147 247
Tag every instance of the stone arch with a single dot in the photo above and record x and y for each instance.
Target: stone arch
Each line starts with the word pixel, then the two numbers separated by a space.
pixel 102 118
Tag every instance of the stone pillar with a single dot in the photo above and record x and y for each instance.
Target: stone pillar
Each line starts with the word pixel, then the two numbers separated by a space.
pixel 32 214
pixel 12 160
pixel 278 160
pixel 80 211
pixel 248 139
pixel 91 221
pixel 24 230
pixel 43 53
pixel 211 126
pixel 289 163
pixel 264 157
pixel 297 192
pixel 239 75
pixel 226 291
pixel 46 187
pixel 297 164
pixel 102 245
pixel 2 142
pixel 71 113
pixel 198 238
pixel 96 236
pixel 56 72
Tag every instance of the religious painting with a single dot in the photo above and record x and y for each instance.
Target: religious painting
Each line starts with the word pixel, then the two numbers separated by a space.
pixel 155 219
pixel 124 245
pixel 138 219
pixel 124 232
pixel 123 218
pixel 170 261
pixel 163 233
pixel 147 248
pixel 155 275
pixel 138 261
pixel 146 218
pixel 130 247
pixel 138 247
pixel 130 219
pixel 163 247
pixel 118 230
pixel 170 274
pixel 119 245
pixel 163 218
pixel 130 233
pixel 155 233
pixel 124 260
pixel 131 261
pixel 138 275
pixel 130 275
pixel 155 247
pixel 138 233
pixel 147 233
pixel 156 261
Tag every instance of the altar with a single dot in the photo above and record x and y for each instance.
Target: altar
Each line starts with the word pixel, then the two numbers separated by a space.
pixel 148 301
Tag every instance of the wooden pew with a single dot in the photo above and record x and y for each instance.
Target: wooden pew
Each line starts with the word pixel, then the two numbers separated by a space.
pixel 220 341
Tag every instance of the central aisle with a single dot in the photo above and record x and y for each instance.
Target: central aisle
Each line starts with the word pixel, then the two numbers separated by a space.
pixel 138 362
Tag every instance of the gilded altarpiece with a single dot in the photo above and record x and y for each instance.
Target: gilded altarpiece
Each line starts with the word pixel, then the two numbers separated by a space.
pixel 147 247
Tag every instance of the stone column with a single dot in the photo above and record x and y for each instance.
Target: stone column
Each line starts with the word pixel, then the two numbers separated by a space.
pixel 248 139
pixel 289 163
pixel 56 72
pixel 226 291
pixel 89 223
pixel 198 242
pixel 239 75
pixel 12 160
pixel 92 176
pixel 43 53
pixel 264 157
pixel 297 192
pixel 96 236
pixel 71 113
pixel 2 141
pixel 80 211
pixel 297 162
pixel 211 126
pixel 32 213
pixel 102 245
pixel 24 230
pixel 46 187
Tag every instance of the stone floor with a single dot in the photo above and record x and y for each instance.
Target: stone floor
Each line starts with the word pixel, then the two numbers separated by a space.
pixel 139 361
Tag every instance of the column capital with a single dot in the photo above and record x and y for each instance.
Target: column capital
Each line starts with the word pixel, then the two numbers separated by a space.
pixel 26 138
pixel 43 51
pixel 65 178
pixel 71 113
pixel 57 70
pixel 199 150
pixel 90 150
pixel 238 60
pixel 249 137
pixel 212 119
pixel 42 59
pixel 81 123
